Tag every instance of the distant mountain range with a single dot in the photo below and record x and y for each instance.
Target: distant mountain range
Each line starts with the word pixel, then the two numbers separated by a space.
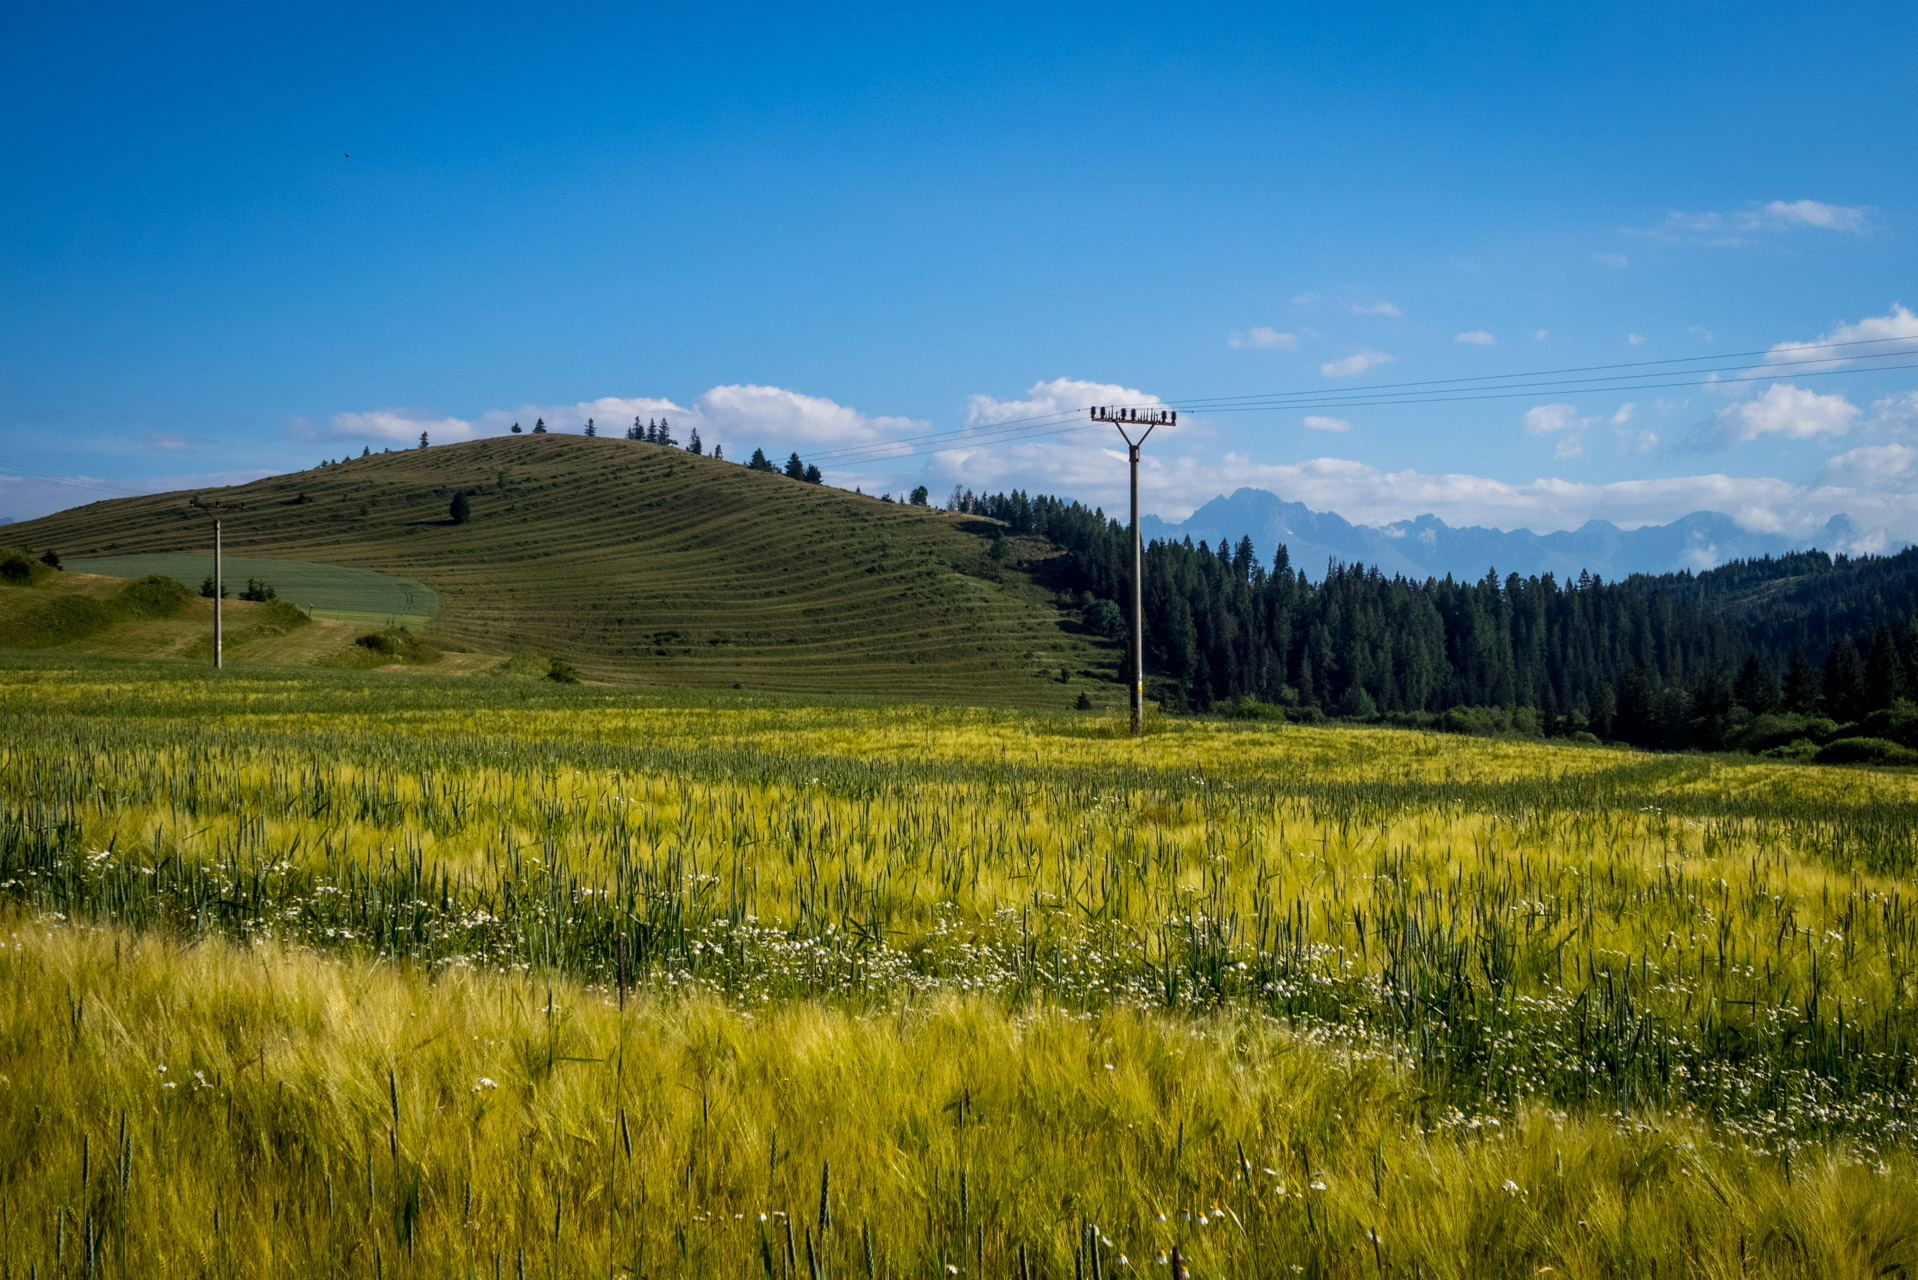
pixel 1428 547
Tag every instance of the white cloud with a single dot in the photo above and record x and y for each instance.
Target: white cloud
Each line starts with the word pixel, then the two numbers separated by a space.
pixel 1617 261
pixel 1890 468
pixel 1624 414
pixel 1261 337
pixel 1314 422
pixel 1736 228
pixel 1539 335
pixel 1896 331
pixel 1376 309
pixel 1058 397
pixel 1807 213
pixel 1639 441
pixel 1702 333
pixel 1477 338
pixel 1894 415
pixel 1635 339
pixel 1549 419
pixel 394 426
pixel 1785 411
pixel 1355 364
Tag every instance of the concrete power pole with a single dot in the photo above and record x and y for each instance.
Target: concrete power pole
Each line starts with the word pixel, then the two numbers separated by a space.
pixel 218 511
pixel 1141 421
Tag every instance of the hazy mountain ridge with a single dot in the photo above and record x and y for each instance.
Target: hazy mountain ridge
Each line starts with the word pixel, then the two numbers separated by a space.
pixel 1428 547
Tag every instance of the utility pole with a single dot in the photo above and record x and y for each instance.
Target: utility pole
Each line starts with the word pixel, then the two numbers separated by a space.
pixel 1142 421
pixel 218 511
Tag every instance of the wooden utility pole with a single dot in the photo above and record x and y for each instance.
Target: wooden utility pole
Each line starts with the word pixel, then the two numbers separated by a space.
pixel 1142 421
pixel 218 511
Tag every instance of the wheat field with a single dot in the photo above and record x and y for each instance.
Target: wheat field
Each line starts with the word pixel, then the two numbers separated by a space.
pixel 340 974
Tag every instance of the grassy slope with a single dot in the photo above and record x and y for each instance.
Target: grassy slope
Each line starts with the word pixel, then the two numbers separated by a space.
pixel 644 563
pixel 78 611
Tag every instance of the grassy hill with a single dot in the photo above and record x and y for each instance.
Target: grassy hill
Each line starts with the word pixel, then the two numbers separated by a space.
pixel 643 563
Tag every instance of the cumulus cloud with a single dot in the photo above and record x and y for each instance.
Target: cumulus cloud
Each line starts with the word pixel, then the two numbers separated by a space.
pixel 1785 412
pixel 1894 415
pixel 1264 338
pixel 1894 332
pixel 1376 309
pixel 1314 422
pixel 1883 468
pixel 1355 364
pixel 1549 419
pixel 1476 338
pixel 1061 396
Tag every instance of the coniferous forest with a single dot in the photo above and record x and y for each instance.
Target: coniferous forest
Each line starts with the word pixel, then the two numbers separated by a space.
pixel 1789 655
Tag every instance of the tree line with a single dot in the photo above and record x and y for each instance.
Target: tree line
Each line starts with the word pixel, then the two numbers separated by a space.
pixel 1657 660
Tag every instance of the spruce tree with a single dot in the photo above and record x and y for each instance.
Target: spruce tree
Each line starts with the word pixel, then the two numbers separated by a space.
pixel 591 430
pixel 461 510
pixel 760 462
pixel 652 432
pixel 794 467
pixel 666 433
pixel 1755 689
pixel 718 454
pixel 812 474
pixel 1845 680
pixel 539 426
pixel 692 443
pixel 516 428
pixel 422 439
pixel 1804 690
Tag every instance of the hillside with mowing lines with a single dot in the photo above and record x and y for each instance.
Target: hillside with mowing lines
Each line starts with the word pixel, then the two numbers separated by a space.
pixel 648 564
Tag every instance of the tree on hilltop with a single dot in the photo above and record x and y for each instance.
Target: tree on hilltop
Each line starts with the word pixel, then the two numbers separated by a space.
pixel 919 496
pixel 666 433
pixel 539 426
pixel 591 430
pixel 795 469
pixel 760 462
pixel 812 475
pixel 718 454
pixel 422 439
pixel 692 443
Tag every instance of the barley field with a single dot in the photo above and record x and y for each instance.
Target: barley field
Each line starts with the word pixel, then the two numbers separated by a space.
pixel 330 973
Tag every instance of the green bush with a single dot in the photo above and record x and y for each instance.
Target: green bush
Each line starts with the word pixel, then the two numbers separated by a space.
pixel 395 642
pixel 563 672
pixel 19 569
pixel 1896 723
pixel 1865 751
pixel 153 596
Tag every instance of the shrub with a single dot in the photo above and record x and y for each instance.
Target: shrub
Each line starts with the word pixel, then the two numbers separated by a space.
pixel 1865 751
pixel 394 642
pixel 562 672
pixel 153 596
pixel 1083 702
pixel 19 569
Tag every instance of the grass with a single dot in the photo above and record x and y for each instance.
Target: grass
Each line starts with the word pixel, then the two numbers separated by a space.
pixel 323 590
pixel 649 565
pixel 1514 1006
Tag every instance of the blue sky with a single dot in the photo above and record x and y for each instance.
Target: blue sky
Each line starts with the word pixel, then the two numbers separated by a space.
pixel 243 241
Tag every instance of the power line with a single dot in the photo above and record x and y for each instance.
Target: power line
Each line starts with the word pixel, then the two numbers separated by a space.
pixel 1433 391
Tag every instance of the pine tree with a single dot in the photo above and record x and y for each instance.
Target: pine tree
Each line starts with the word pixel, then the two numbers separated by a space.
pixel 652 432
pixel 760 462
pixel 1845 681
pixel 812 475
pixel 366 451
pixel 516 428
pixel 422 439
pixel 461 510
pixel 591 430
pixel 1884 670
pixel 666 433
pixel 1804 690
pixel 1755 690
pixel 635 432
pixel 539 426
pixel 795 468
pixel 718 454
pixel 692 443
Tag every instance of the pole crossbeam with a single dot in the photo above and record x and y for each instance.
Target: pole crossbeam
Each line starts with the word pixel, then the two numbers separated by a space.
pixel 218 510
pixel 1136 417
